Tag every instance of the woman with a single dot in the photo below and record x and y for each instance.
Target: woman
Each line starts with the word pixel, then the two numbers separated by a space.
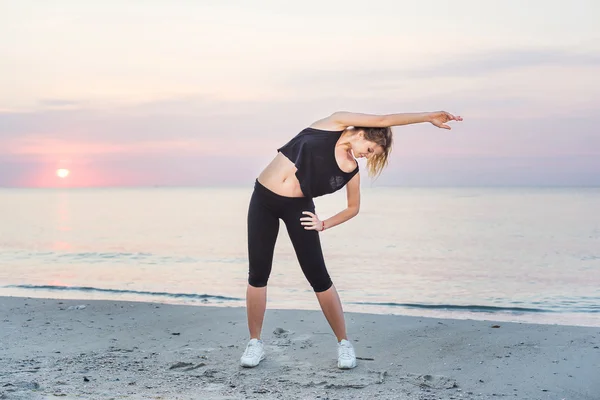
pixel 321 159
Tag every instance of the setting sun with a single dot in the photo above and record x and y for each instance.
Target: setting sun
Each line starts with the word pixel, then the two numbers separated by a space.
pixel 62 173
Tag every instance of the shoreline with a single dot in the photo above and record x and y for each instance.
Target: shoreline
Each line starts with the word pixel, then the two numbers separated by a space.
pixel 148 350
pixel 460 312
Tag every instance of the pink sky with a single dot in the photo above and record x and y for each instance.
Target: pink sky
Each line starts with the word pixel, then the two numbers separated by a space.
pixel 203 93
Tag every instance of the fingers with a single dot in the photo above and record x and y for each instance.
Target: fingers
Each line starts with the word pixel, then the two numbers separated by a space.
pixel 310 225
pixel 446 117
pixel 453 117
pixel 442 125
pixel 311 222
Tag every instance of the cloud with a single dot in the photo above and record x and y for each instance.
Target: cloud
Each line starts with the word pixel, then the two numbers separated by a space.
pixel 218 127
pixel 60 103
pixel 195 140
pixel 461 66
pixel 487 62
pixel 173 120
pixel 120 169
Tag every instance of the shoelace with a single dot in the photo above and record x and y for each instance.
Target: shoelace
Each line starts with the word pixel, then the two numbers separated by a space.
pixel 346 352
pixel 251 350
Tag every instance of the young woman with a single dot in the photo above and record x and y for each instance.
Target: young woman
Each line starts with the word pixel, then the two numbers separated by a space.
pixel 321 159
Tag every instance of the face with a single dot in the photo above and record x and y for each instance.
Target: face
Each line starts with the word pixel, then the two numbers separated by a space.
pixel 362 148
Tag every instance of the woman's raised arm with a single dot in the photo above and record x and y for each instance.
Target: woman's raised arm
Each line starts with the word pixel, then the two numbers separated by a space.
pixel 340 120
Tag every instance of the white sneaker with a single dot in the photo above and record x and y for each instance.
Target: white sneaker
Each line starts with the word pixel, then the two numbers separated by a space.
pixel 254 353
pixel 346 356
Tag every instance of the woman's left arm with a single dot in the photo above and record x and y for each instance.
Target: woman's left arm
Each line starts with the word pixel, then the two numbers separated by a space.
pixel 311 221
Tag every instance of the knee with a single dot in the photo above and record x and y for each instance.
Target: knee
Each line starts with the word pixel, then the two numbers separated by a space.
pixel 258 280
pixel 321 285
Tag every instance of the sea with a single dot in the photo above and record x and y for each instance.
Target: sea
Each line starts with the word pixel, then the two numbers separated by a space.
pixel 522 254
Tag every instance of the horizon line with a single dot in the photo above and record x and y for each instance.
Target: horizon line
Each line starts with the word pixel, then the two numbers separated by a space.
pixel 407 186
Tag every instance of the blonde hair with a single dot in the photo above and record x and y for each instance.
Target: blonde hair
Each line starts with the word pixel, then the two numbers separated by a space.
pixel 382 137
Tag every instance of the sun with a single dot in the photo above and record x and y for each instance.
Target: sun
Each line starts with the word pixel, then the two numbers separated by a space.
pixel 62 173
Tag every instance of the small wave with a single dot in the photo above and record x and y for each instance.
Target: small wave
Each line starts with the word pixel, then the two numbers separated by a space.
pixel 105 255
pixel 114 258
pixel 472 308
pixel 123 291
pixel 590 257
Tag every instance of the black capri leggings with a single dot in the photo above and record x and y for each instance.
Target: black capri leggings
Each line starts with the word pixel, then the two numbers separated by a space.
pixel 265 210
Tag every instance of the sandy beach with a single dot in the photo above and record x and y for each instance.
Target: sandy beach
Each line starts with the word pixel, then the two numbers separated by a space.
pixel 86 349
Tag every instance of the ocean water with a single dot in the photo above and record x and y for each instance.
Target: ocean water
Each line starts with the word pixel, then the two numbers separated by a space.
pixel 515 254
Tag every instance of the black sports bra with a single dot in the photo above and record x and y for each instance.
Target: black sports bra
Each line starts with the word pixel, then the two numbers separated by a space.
pixel 313 153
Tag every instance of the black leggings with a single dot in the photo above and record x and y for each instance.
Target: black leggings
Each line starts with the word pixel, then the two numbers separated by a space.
pixel 266 208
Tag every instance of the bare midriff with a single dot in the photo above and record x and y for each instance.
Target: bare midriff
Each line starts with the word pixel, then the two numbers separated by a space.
pixel 280 177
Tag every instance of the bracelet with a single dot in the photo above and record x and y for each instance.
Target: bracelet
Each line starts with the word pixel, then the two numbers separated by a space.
pixel 323 226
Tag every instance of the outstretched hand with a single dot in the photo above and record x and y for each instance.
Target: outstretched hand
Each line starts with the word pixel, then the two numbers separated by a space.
pixel 439 119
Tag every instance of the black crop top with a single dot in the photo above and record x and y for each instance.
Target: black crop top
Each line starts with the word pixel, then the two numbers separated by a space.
pixel 313 152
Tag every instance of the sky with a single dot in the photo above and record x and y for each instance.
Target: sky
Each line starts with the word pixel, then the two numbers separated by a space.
pixel 202 93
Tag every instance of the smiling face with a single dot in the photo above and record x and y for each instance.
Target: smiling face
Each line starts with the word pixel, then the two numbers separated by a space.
pixel 374 144
pixel 363 148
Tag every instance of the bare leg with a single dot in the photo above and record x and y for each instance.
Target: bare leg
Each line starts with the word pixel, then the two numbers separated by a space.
pixel 256 304
pixel 332 308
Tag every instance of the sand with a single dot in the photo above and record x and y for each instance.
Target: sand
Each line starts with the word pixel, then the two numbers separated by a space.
pixel 82 349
